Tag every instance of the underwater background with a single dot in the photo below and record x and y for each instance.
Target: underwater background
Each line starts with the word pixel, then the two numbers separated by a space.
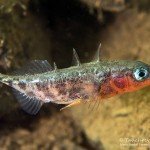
pixel 49 30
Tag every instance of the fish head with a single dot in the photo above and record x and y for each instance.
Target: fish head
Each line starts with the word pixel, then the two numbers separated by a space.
pixel 134 76
pixel 138 76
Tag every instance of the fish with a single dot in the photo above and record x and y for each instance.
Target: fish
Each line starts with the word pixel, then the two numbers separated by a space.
pixel 38 82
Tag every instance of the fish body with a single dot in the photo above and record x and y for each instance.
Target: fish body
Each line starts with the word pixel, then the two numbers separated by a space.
pixel 38 83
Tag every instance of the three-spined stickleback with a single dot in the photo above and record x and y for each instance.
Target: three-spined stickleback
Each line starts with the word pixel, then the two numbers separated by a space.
pixel 38 83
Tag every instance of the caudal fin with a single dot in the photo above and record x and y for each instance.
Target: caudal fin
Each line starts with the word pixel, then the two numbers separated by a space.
pixel 2 77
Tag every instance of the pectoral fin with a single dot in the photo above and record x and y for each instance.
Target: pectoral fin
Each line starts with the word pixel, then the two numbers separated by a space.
pixel 30 105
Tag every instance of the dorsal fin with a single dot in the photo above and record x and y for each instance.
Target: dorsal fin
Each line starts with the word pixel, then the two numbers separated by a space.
pixel 30 105
pixel 34 67
pixel 98 53
pixel 75 59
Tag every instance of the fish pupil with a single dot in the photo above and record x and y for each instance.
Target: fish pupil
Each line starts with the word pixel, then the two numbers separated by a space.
pixel 142 74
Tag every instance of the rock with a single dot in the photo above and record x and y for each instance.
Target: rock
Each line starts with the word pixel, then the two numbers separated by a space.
pixel 56 131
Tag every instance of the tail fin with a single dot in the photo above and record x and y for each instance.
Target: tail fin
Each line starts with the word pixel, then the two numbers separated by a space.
pixel 6 79
pixel 1 79
pixel 1 76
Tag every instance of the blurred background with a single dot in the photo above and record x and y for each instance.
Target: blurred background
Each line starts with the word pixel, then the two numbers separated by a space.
pixel 50 29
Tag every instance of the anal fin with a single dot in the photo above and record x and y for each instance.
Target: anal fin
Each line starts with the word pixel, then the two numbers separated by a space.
pixel 76 102
pixel 30 105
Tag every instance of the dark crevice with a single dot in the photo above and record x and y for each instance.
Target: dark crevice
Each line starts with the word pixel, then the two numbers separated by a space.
pixel 62 11
pixel 87 144
pixel 71 26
